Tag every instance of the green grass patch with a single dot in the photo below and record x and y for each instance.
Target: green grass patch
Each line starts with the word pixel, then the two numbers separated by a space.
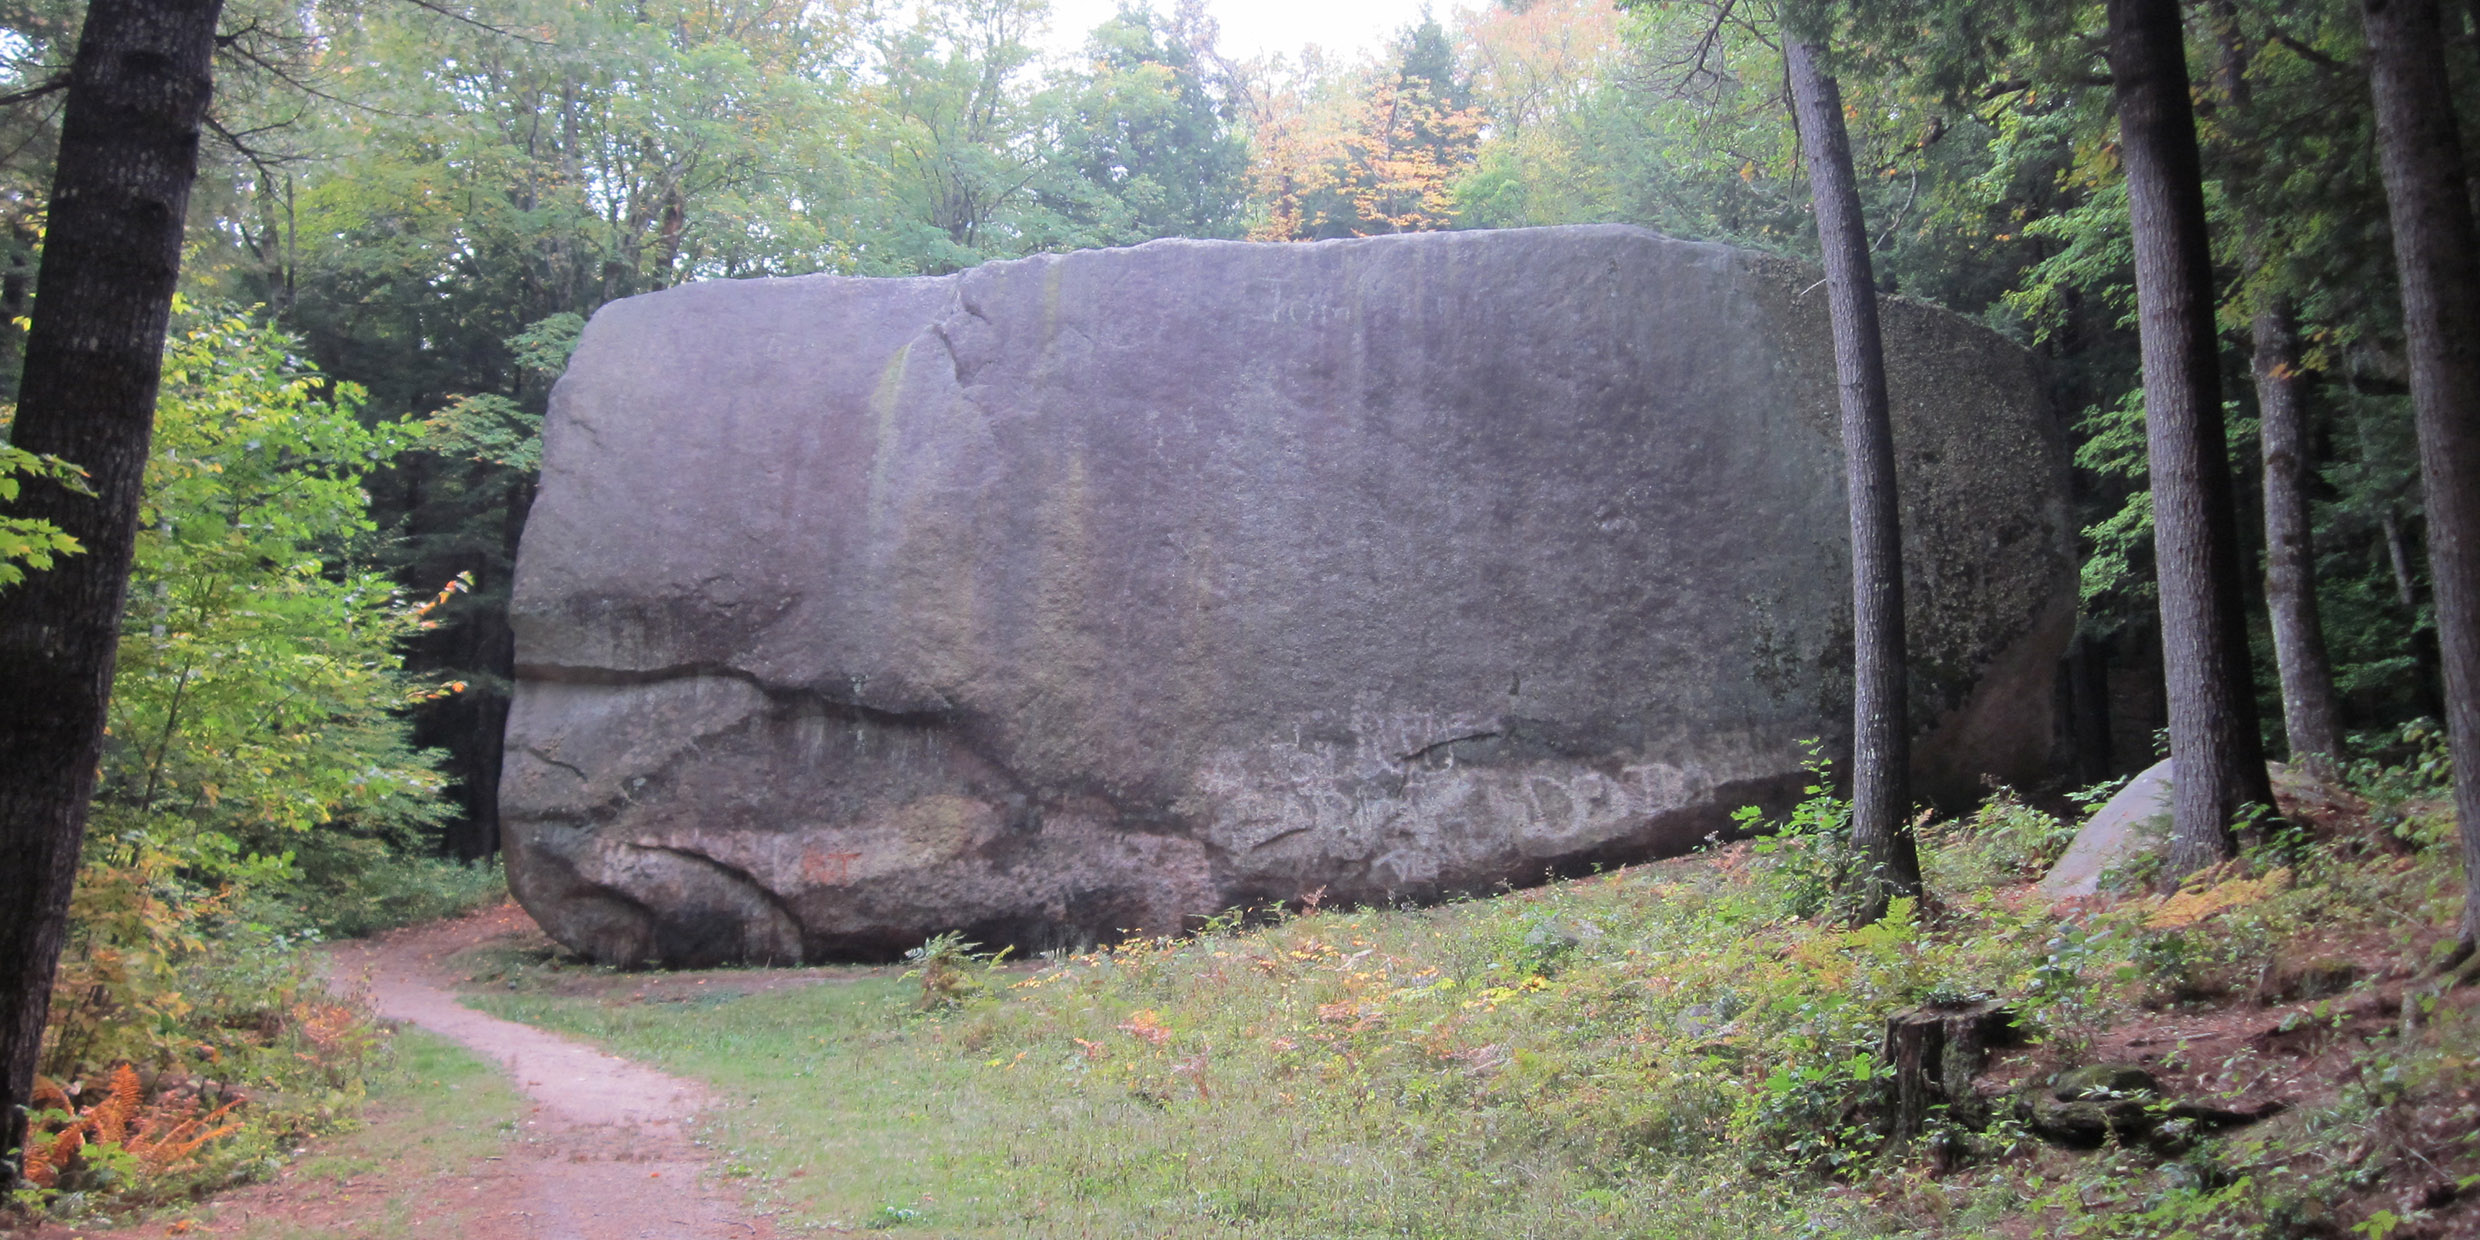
pixel 436 1114
pixel 832 1104
pixel 1676 1050
pixel 435 1108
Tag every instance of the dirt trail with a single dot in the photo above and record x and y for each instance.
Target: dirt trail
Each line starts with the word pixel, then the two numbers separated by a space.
pixel 605 1153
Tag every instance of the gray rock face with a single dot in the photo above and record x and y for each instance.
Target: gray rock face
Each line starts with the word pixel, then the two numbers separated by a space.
pixel 1091 593
pixel 2135 820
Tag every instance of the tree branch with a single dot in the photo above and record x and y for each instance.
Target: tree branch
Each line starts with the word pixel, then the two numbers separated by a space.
pixel 477 23
pixel 35 91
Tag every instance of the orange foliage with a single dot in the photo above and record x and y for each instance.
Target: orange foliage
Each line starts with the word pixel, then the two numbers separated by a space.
pixel 1381 156
pixel 161 1135
pixel 1148 1025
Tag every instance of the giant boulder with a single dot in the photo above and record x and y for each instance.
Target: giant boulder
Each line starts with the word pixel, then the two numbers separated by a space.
pixel 1091 593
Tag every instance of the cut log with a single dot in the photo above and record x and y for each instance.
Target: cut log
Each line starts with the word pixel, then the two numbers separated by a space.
pixel 1935 1050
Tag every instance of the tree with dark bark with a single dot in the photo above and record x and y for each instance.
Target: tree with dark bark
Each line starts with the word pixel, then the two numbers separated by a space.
pixel 2213 728
pixel 2420 152
pixel 136 98
pixel 1886 861
pixel 2311 713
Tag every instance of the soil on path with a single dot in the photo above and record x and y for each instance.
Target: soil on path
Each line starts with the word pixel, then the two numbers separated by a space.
pixel 603 1151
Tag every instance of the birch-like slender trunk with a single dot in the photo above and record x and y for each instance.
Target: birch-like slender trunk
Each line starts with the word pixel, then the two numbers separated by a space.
pixel 2311 710
pixel 2311 713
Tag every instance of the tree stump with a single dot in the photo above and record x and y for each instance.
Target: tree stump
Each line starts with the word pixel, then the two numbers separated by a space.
pixel 1935 1050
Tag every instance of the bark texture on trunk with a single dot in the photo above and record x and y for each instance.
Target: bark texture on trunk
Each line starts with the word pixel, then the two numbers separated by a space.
pixel 2420 152
pixel 2311 715
pixel 1933 1051
pixel 2213 736
pixel 94 356
pixel 2311 711
pixel 1886 860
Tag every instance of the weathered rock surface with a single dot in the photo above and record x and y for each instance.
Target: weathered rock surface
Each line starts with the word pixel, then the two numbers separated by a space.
pixel 2134 825
pixel 2134 821
pixel 1094 592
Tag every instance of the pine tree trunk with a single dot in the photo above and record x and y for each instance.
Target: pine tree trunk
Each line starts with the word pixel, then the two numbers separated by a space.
pixel 2438 257
pixel 112 253
pixel 2213 737
pixel 2310 712
pixel 1887 862
pixel 2311 716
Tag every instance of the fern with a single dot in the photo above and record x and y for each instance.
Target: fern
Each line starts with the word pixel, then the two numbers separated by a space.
pixel 159 1137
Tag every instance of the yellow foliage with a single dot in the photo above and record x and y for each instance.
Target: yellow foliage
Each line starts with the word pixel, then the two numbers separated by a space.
pixel 1379 157
pixel 2207 895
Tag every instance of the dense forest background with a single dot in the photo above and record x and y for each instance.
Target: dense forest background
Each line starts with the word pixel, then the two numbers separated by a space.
pixel 411 208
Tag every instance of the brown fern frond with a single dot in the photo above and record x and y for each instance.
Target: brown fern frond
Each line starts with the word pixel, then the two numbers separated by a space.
pixel 110 1117
pixel 166 1119
pixel 173 1130
pixel 43 1166
pixel 49 1096
pixel 175 1149
pixel 150 1144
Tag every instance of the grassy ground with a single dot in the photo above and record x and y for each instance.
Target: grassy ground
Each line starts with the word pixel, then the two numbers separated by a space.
pixel 436 1115
pixel 1685 1050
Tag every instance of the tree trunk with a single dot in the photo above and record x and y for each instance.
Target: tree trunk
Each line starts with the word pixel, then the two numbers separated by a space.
pixel 1932 1052
pixel 2088 688
pixel 2213 736
pixel 1887 862
pixel 2426 674
pixel 112 253
pixel 2311 714
pixel 2438 257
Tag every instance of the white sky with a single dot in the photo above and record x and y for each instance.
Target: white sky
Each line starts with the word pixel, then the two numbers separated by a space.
pixel 1255 27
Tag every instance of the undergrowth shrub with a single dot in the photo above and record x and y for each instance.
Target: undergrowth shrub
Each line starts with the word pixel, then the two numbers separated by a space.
pixel 211 1045
pixel 2004 842
pixel 349 886
pixel 2404 774
pixel 1565 1060
pixel 259 788
pixel 1807 856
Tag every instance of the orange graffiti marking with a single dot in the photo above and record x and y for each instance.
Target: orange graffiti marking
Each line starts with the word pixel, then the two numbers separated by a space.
pixel 829 868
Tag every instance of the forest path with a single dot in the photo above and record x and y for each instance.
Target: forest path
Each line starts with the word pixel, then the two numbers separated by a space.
pixel 604 1151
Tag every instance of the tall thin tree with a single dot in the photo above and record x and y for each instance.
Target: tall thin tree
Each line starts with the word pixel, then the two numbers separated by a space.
pixel 137 94
pixel 2220 765
pixel 1886 859
pixel 2311 708
pixel 2311 711
pixel 2420 151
